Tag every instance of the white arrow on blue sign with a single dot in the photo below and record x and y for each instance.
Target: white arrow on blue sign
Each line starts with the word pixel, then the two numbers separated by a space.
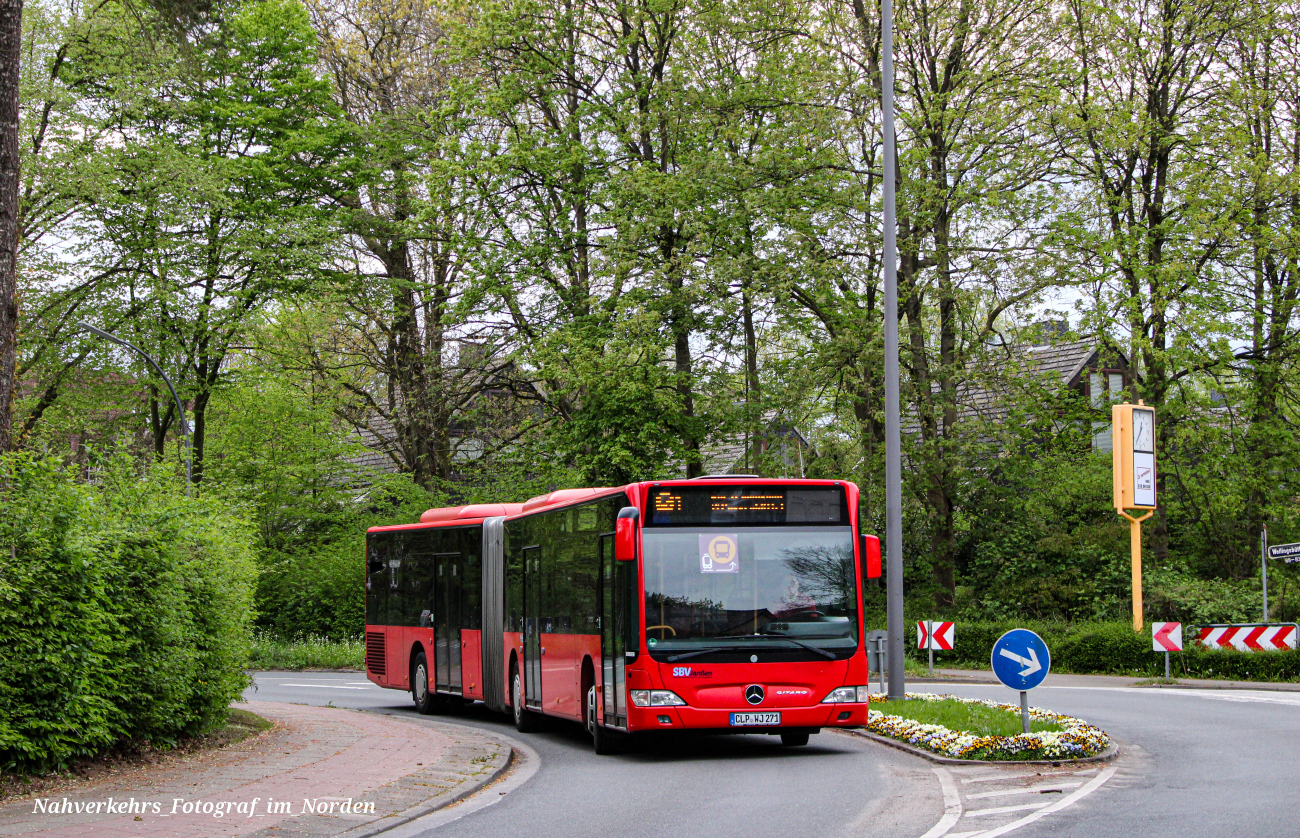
pixel 1020 659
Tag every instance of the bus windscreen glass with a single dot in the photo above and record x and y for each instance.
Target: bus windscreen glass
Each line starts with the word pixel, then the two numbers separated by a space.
pixel 705 505
pixel 731 590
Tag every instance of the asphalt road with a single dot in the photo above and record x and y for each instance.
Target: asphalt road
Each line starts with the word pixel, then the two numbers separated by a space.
pixel 1195 764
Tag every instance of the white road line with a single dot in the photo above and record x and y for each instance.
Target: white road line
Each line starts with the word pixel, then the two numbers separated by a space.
pixel 1093 784
pixel 993 777
pixel 951 805
pixel 1030 790
pixel 325 687
pixel 1002 810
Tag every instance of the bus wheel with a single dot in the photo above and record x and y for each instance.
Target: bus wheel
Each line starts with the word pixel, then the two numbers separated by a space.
pixel 420 694
pixel 604 741
pixel 525 720
pixel 795 738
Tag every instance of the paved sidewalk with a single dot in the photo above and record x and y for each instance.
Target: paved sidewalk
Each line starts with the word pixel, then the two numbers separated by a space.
pixel 1062 680
pixel 319 772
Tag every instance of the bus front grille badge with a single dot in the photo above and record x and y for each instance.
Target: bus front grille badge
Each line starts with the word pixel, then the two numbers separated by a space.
pixel 754 694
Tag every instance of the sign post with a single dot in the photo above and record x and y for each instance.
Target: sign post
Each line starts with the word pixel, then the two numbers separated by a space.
pixel 1133 469
pixel 1167 637
pixel 1021 661
pixel 1263 566
pixel 932 635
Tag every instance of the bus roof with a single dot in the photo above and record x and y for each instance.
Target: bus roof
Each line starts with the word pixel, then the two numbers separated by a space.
pixel 475 512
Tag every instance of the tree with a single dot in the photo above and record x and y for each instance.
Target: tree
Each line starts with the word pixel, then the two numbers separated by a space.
pixel 11 42
pixel 1136 121
pixel 211 209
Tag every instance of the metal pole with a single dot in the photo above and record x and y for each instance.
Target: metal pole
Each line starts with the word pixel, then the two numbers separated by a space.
pixel 929 643
pixel 1024 710
pixel 1263 564
pixel 1135 547
pixel 1166 664
pixel 893 429
pixel 180 409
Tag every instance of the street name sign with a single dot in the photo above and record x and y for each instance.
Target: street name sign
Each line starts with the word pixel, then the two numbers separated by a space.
pixel 934 635
pixel 1289 553
pixel 1167 637
pixel 1021 660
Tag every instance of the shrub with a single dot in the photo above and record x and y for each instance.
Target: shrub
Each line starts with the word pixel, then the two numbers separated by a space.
pixel 124 611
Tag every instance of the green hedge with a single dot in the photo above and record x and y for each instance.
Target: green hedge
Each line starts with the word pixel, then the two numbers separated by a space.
pixel 124 611
pixel 1115 649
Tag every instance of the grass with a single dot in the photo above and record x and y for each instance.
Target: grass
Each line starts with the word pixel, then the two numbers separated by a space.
pixel 312 652
pixel 967 718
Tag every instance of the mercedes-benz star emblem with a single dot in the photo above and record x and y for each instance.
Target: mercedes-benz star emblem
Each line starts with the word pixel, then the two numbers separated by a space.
pixel 754 694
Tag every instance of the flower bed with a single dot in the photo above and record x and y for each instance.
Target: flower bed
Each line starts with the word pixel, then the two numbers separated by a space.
pixel 1076 739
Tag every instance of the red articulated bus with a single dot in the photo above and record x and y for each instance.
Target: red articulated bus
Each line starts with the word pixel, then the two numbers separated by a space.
pixel 725 603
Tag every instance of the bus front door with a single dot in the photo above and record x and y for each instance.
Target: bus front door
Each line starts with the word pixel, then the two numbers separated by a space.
pixel 532 628
pixel 447 620
pixel 612 634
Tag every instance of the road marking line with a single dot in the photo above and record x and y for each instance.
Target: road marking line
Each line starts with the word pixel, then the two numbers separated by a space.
pixel 1030 790
pixel 963 834
pixel 990 778
pixel 1092 785
pixel 325 686
pixel 951 805
pixel 1001 810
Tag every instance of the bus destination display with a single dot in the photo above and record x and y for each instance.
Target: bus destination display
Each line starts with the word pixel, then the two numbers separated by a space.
pixel 704 505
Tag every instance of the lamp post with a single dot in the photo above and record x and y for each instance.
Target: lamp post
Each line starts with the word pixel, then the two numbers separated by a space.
pixel 180 409
pixel 893 430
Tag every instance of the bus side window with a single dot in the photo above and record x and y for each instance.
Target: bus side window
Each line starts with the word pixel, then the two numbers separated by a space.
pixel 377 579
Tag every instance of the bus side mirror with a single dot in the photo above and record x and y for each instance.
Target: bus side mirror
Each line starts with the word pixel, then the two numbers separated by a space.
pixel 871 556
pixel 625 534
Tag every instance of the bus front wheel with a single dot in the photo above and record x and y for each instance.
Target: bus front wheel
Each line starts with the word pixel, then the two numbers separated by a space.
pixel 420 692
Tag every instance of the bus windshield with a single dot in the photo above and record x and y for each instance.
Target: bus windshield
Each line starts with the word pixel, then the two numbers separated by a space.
pixel 726 590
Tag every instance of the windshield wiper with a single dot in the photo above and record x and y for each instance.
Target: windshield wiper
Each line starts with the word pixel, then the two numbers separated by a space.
pixel 808 646
pixel 684 655
pixel 711 649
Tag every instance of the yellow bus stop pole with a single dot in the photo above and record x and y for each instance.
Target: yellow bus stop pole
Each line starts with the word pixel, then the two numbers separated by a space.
pixel 1135 552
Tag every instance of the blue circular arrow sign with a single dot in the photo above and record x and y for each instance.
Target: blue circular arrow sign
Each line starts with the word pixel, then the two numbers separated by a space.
pixel 1021 660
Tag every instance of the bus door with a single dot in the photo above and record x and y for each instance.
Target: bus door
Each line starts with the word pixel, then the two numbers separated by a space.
pixel 612 634
pixel 532 627
pixel 450 574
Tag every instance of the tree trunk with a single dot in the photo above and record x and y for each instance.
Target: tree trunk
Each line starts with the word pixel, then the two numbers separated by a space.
pixel 11 38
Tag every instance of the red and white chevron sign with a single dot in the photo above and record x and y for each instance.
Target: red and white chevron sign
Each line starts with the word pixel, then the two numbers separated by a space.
pixel 1167 637
pixel 937 635
pixel 1250 637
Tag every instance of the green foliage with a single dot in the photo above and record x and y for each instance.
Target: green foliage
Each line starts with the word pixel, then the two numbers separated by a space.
pixel 1113 648
pixel 307 652
pixel 125 609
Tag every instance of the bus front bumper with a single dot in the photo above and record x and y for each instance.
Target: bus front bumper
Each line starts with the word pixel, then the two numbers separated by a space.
pixel 693 718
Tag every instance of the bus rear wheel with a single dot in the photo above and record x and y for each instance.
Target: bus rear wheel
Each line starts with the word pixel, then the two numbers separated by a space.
pixel 526 721
pixel 794 738
pixel 424 699
pixel 602 740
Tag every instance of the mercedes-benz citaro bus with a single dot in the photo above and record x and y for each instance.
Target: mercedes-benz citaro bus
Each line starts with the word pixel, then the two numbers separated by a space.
pixel 727 603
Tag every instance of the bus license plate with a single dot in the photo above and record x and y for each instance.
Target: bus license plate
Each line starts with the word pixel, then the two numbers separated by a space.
pixel 761 719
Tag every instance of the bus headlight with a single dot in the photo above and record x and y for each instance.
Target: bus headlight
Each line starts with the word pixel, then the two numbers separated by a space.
pixel 848 695
pixel 656 698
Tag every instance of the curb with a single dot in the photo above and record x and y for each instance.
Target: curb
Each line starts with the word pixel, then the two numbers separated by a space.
pixel 497 769
pixel 1105 756
pixel 981 678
